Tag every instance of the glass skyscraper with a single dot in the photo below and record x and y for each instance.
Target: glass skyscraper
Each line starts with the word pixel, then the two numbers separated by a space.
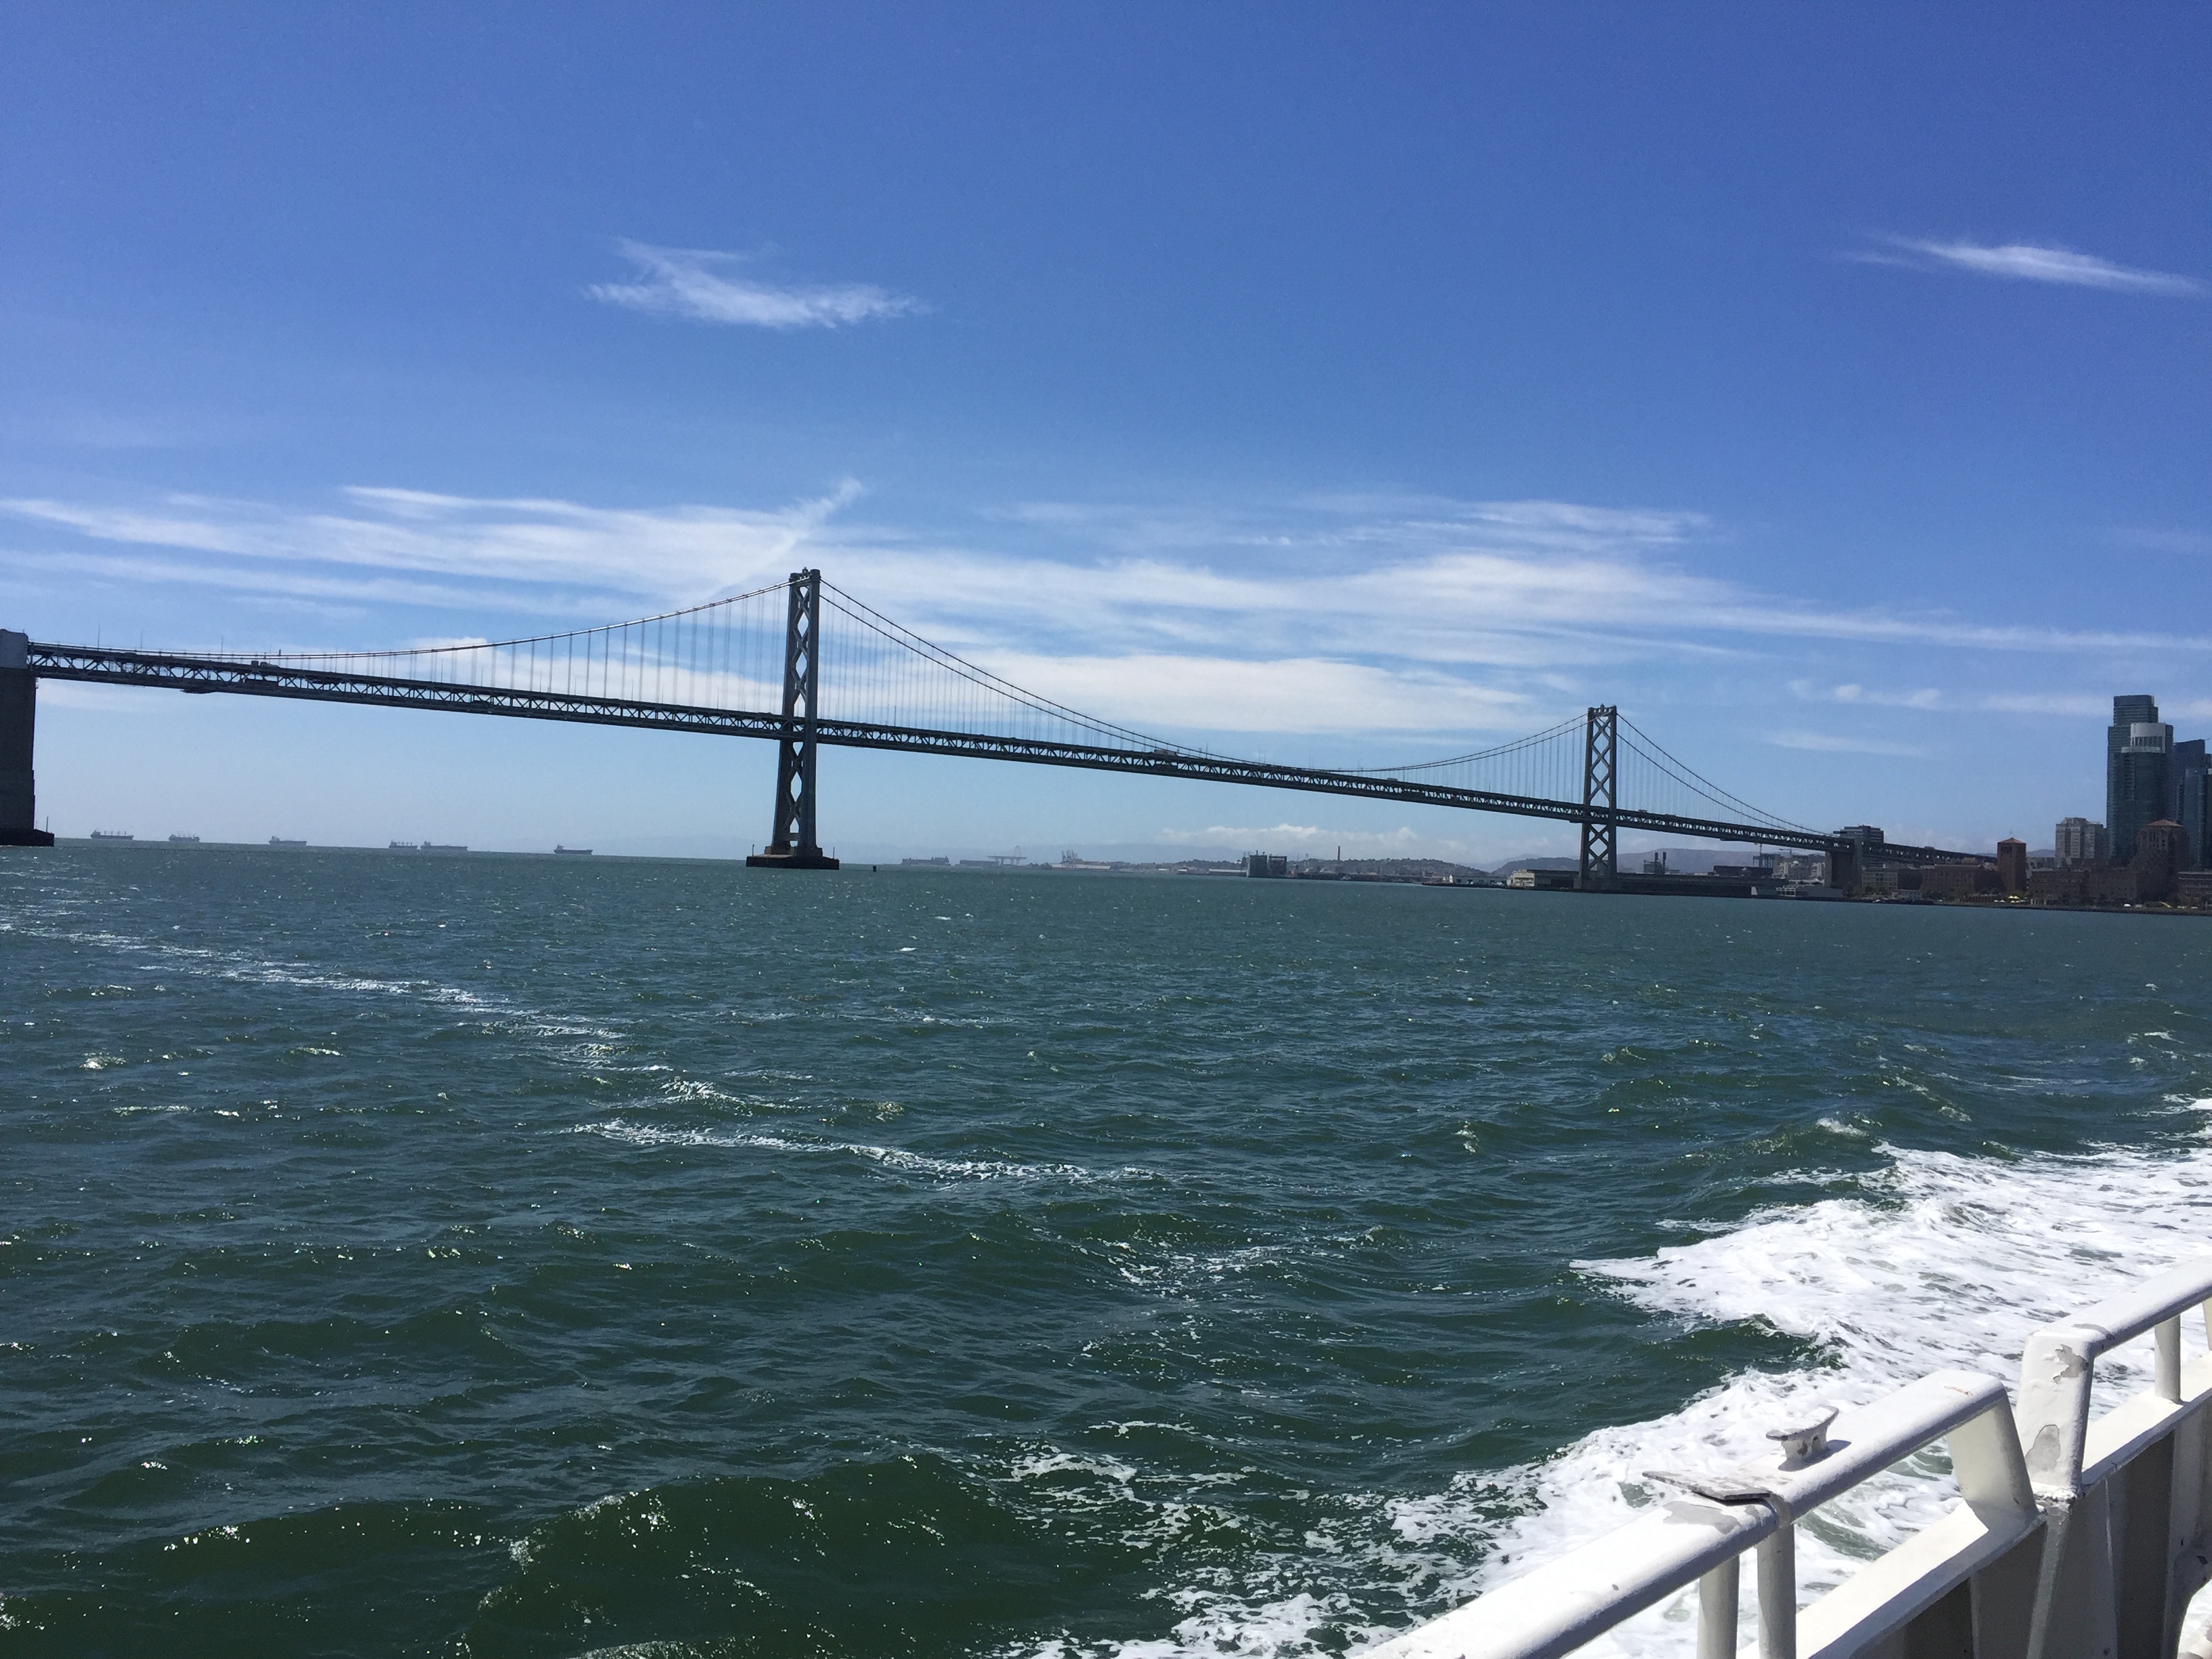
pixel 2187 803
pixel 2138 771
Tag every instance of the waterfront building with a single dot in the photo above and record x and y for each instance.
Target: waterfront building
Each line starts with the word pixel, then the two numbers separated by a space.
pixel 2138 756
pixel 2115 884
pixel 2058 888
pixel 2080 841
pixel 1960 881
pixel 2159 846
pixel 2194 888
pixel 2011 866
pixel 2186 801
pixel 1267 864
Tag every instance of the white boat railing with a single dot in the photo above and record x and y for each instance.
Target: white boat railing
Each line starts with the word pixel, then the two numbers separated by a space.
pixel 2086 1544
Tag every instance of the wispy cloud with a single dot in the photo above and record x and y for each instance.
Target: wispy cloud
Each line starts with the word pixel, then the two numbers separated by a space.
pixel 1826 742
pixel 1329 615
pixel 1870 696
pixel 2163 541
pixel 2087 705
pixel 531 555
pixel 704 286
pixel 2030 262
pixel 1270 694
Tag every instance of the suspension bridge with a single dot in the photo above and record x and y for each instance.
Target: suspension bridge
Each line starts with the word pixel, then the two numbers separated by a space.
pixel 804 665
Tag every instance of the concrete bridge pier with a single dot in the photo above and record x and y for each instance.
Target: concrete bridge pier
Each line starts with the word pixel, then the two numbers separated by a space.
pixel 1846 866
pixel 19 709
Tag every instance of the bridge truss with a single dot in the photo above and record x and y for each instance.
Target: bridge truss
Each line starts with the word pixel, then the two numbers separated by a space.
pixel 804 664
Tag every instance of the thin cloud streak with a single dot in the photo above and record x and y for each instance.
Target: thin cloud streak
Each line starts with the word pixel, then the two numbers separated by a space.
pixel 1873 697
pixel 622 556
pixel 697 285
pixel 1822 743
pixel 2032 262
pixel 1452 617
pixel 1504 604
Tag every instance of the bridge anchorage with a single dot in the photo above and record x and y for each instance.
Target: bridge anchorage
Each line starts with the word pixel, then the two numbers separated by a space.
pixel 804 664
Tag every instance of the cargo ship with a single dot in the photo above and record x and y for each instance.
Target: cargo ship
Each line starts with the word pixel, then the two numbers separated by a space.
pixel 184 840
pixel 113 834
pixel 572 852
pixel 279 841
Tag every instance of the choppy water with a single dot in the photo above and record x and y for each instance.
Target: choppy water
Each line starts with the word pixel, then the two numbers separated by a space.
pixel 519 1257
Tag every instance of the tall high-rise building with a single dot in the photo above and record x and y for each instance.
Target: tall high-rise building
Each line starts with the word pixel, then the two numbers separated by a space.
pixel 2138 753
pixel 2011 866
pixel 2081 843
pixel 2186 801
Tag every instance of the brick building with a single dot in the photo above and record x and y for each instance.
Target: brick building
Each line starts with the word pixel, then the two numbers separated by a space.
pixel 2161 854
pixel 1960 881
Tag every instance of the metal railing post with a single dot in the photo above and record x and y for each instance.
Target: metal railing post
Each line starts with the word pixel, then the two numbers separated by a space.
pixel 2071 1540
pixel 1718 1593
pixel 1777 1589
pixel 2122 1528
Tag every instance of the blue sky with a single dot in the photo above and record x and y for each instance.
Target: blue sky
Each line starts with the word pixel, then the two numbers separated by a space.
pixel 1826 388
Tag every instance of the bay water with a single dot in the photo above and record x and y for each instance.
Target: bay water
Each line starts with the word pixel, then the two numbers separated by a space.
pixel 503 1256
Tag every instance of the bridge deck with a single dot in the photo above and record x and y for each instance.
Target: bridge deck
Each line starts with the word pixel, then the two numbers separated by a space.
pixel 188 673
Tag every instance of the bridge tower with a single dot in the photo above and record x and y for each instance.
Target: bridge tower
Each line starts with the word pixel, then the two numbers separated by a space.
pixel 793 846
pixel 19 709
pixel 1600 868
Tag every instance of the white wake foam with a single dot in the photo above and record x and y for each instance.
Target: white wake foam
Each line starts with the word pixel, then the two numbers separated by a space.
pixel 1946 1261
pixel 1941 1261
pixel 895 1158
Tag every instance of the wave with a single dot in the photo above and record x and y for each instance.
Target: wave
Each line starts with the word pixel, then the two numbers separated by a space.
pixel 1943 1261
pixel 239 967
pixel 894 1157
pixel 1937 1260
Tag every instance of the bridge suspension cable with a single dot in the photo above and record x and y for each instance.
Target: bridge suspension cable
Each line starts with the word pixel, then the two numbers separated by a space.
pixel 727 665
pixel 725 654
pixel 877 670
pixel 1658 782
